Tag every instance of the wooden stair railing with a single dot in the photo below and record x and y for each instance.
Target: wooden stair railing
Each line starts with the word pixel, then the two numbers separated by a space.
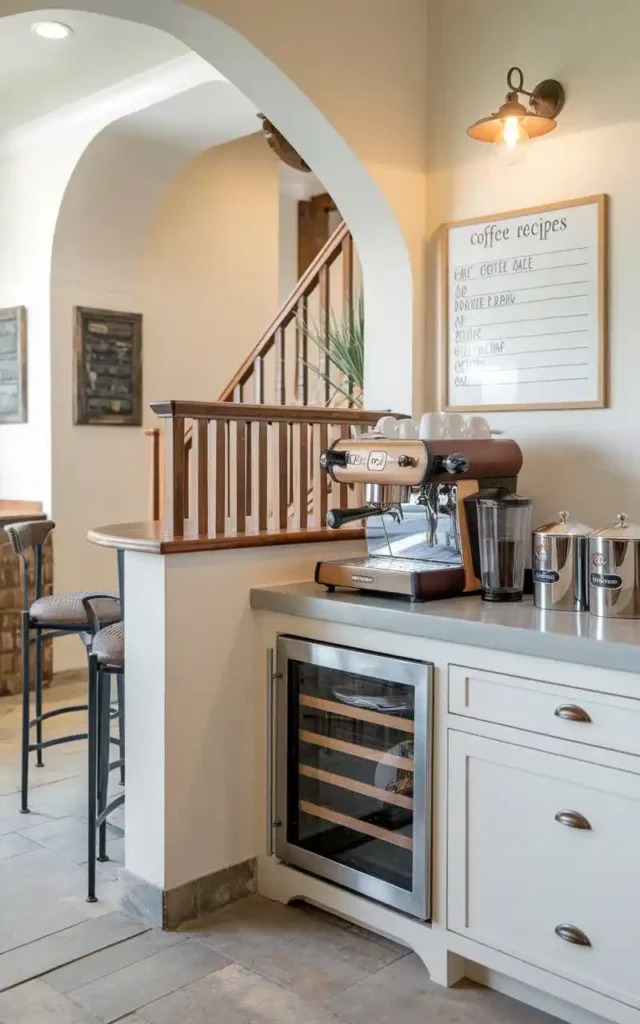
pixel 218 489
pixel 277 370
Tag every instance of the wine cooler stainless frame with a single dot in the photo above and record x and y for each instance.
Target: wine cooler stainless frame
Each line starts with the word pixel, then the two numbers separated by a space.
pixel 419 675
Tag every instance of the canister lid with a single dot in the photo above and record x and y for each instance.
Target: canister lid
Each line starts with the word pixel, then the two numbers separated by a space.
pixel 564 527
pixel 622 529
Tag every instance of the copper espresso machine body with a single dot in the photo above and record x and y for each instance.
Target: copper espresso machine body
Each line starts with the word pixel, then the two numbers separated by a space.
pixel 419 511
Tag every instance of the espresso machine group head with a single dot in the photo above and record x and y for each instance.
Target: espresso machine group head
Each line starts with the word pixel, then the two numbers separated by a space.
pixel 419 509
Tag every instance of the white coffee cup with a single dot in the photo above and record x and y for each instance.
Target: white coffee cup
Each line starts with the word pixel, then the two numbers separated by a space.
pixel 387 426
pixel 455 425
pixel 478 428
pixel 407 429
pixel 431 426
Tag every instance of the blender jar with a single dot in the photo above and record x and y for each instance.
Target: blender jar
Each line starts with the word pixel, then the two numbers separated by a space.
pixel 504 531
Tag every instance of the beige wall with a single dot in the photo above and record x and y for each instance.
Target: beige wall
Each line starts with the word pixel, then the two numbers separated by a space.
pixel 584 460
pixel 207 283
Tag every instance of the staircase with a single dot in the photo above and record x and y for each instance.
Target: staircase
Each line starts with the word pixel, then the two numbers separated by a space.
pixel 279 370
pixel 244 470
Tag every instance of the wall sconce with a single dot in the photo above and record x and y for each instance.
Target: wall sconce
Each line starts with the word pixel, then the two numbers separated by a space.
pixel 513 124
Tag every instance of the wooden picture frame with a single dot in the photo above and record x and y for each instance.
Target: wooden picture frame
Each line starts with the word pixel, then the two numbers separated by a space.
pixel 600 295
pixel 107 367
pixel 13 365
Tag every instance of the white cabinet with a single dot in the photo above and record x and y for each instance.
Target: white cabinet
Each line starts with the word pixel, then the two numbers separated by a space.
pixel 516 873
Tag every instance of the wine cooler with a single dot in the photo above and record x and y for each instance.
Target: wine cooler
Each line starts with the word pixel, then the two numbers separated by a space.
pixel 351 740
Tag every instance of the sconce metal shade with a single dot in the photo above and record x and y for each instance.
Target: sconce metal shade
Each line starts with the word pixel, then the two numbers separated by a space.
pixel 545 103
pixel 488 129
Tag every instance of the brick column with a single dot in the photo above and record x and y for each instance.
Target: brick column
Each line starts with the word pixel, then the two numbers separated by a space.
pixel 11 603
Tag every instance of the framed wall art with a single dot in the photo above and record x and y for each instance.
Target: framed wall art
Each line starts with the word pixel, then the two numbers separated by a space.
pixel 13 365
pixel 108 367
pixel 524 309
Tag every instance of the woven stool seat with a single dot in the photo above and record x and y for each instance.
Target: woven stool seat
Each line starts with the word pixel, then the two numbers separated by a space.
pixel 108 645
pixel 68 609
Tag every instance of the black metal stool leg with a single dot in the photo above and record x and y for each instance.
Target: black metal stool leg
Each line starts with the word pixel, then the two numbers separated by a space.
pixel 92 781
pixel 104 754
pixel 121 723
pixel 24 774
pixel 38 689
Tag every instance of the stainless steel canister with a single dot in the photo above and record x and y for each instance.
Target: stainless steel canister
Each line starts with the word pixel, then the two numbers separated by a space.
pixel 559 565
pixel 614 570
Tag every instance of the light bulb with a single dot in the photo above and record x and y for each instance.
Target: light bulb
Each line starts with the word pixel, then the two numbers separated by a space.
pixel 51 30
pixel 509 145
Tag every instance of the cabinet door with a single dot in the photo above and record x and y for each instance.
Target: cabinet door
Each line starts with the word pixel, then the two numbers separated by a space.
pixel 544 854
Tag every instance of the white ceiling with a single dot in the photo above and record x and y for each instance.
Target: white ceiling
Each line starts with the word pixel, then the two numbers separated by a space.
pixel 37 76
pixel 207 115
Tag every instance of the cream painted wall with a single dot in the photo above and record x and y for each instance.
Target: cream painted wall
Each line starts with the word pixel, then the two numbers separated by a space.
pixel 587 461
pixel 207 283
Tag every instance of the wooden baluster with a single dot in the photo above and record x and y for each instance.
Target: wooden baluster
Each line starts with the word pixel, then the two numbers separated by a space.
pixel 302 352
pixel 241 477
pixel 221 468
pixel 343 489
pixel 248 464
pixel 321 478
pixel 281 505
pixel 154 473
pixel 188 449
pixel 302 465
pixel 201 467
pixel 263 498
pixel 347 293
pixel 325 324
pixel 175 470
pixel 281 382
pixel 258 380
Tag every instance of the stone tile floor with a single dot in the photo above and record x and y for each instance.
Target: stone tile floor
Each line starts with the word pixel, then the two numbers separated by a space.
pixel 65 961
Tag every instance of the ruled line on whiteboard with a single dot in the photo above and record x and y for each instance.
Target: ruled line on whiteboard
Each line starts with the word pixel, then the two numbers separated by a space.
pixel 542 334
pixel 525 255
pixel 510 383
pixel 529 320
pixel 553 298
pixel 534 351
pixel 532 270
pixel 522 288
pixel 537 366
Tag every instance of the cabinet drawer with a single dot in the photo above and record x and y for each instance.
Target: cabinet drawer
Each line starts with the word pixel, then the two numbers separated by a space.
pixel 539 842
pixel 563 711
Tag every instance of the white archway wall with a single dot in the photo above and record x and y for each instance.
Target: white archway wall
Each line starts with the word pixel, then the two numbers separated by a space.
pixel 359 101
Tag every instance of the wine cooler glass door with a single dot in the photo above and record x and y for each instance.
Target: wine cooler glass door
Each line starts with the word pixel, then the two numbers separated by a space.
pixel 353 770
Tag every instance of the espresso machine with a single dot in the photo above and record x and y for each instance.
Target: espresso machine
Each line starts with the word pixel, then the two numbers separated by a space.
pixel 420 511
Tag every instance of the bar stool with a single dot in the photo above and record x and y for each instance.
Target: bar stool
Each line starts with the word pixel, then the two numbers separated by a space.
pixel 47 617
pixel 106 659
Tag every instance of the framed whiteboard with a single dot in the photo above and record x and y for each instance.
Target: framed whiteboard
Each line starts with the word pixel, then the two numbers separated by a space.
pixel 524 309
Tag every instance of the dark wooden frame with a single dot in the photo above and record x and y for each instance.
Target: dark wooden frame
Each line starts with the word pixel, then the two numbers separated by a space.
pixel 19 313
pixel 80 415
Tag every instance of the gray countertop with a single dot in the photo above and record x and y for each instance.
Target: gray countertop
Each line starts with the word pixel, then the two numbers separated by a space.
pixel 518 628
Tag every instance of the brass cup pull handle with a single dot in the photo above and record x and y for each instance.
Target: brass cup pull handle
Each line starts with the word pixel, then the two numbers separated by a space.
pixel 572 819
pixel 571 934
pixel 572 713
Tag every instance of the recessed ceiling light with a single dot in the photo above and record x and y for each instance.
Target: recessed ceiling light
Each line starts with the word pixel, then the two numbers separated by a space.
pixel 52 29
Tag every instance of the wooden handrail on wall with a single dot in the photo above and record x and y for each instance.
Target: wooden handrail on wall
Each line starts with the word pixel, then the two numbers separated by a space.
pixel 291 384
pixel 251 468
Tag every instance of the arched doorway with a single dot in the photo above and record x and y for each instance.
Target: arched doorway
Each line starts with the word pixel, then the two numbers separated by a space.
pixel 386 267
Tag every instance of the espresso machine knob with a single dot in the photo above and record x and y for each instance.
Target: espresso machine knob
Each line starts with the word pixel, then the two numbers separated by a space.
pixel 456 463
pixel 331 458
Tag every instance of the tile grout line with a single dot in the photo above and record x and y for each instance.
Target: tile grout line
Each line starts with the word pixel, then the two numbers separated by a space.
pixel 50 970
